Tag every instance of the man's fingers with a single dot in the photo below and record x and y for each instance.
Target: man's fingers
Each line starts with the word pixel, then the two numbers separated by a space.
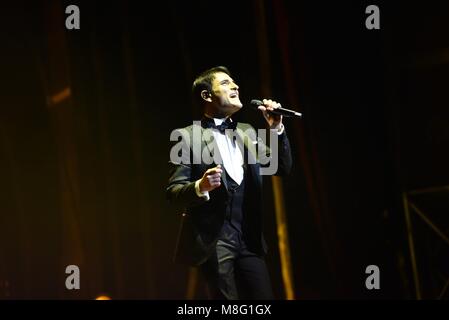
pixel 214 178
pixel 214 171
pixel 270 104
pixel 214 175
pixel 215 182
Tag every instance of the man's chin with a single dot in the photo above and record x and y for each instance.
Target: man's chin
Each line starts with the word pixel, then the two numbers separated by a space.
pixel 237 105
pixel 229 110
pixel 235 108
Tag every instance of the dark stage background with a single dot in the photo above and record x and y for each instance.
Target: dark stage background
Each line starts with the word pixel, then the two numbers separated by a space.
pixel 85 119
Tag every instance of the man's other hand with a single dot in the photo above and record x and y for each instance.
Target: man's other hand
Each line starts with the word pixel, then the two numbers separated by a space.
pixel 211 179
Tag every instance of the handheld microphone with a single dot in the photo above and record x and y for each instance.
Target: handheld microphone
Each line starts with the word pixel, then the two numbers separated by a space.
pixel 285 112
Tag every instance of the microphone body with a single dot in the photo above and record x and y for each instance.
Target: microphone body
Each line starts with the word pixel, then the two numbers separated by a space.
pixel 282 111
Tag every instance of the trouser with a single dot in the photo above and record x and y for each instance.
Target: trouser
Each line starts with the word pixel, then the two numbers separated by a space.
pixel 233 272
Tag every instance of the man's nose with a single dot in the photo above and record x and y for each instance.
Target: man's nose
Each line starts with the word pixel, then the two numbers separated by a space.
pixel 235 86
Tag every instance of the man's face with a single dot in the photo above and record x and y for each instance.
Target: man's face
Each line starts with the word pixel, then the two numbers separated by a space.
pixel 225 94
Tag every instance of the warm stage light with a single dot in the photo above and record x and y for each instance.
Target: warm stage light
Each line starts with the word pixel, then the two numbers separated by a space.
pixel 103 297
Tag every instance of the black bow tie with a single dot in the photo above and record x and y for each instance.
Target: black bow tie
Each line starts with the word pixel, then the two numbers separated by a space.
pixel 227 124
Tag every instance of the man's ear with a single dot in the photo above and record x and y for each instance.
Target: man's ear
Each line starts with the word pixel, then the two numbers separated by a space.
pixel 206 95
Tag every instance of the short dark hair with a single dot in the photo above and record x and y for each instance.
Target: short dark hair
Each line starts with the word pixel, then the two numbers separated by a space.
pixel 204 82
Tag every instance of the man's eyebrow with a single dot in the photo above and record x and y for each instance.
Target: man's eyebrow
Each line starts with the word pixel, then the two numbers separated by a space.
pixel 225 80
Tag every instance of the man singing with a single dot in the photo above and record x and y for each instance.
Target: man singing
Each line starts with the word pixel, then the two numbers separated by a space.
pixel 221 231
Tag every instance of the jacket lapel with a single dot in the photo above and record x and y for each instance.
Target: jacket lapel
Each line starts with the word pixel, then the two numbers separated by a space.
pixel 208 141
pixel 246 145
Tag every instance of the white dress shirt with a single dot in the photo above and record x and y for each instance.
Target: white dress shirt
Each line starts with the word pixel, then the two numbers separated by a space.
pixel 230 154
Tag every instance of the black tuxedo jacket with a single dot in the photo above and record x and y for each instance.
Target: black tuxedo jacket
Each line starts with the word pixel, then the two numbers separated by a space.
pixel 201 220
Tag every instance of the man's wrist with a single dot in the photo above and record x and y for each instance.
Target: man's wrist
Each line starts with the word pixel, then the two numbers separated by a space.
pixel 279 128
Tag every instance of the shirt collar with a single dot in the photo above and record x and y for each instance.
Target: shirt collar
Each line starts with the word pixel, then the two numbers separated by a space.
pixel 217 121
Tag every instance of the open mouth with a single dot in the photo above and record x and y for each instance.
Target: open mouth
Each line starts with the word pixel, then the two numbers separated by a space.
pixel 234 95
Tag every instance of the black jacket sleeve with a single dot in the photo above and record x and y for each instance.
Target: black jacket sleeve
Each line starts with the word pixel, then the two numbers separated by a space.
pixel 284 156
pixel 181 185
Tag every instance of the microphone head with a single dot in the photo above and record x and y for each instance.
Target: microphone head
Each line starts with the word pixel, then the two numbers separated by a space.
pixel 255 103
